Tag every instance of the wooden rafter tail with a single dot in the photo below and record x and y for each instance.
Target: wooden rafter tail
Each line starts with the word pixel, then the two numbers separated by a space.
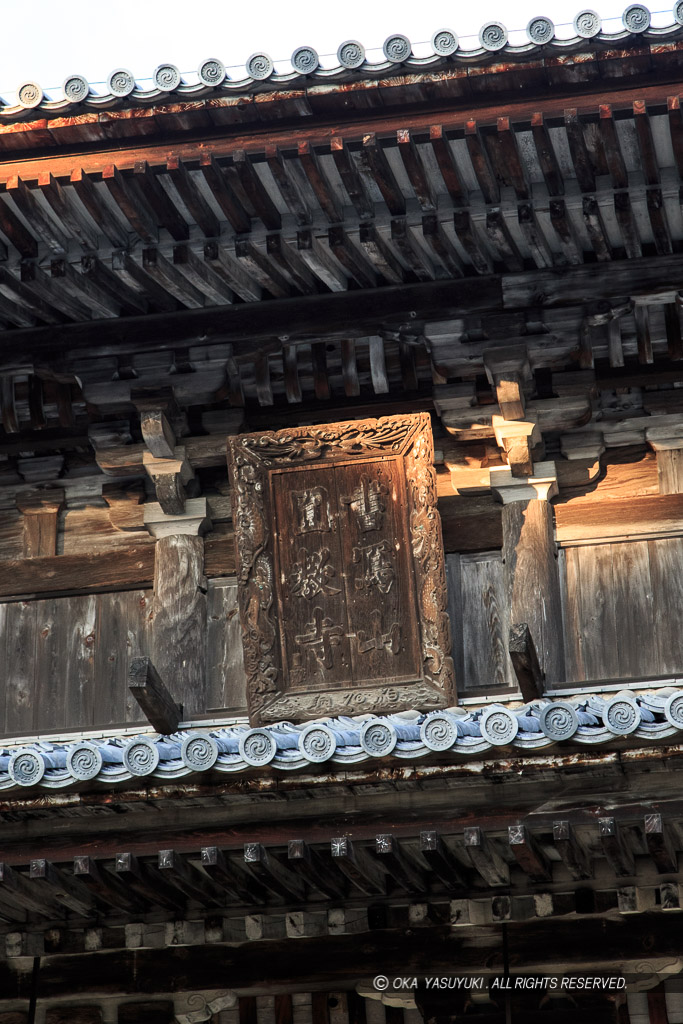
pixel 303 860
pixel 145 881
pixel 159 201
pixel 272 874
pixel 196 204
pixel 188 880
pixel 572 851
pixel 441 861
pixel 485 858
pixel 161 711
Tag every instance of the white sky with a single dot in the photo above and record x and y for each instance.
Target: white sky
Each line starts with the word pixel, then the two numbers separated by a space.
pixel 47 40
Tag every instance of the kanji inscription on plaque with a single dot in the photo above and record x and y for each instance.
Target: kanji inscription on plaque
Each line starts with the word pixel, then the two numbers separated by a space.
pixel 341 577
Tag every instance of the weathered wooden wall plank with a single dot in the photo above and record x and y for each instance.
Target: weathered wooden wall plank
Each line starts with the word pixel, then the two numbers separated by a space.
pixel 78 620
pixel 598 616
pixel 51 665
pixel 573 634
pixel 485 625
pixel 532 581
pixel 179 626
pixel 225 677
pixel 20 653
pixel 666 573
pixel 633 609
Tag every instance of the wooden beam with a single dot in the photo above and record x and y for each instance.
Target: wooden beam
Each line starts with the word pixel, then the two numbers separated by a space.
pixel 193 199
pixel 380 254
pixel 272 874
pixel 660 845
pixel 255 190
pixel 318 181
pixel 524 658
pixel 166 274
pixel 133 276
pixel 40 510
pixel 165 212
pixel 565 231
pixel 53 236
pixel 83 573
pixel 16 233
pixel 364 873
pixel 612 147
pixel 148 688
pixel 376 168
pixel 187 879
pixel 620 857
pixel 532 581
pixel 397 864
pixel 319 261
pixel 230 270
pixel 351 258
pixel 641 316
pixel 61 888
pixel 595 227
pixel 416 171
pixel 291 265
pixel 106 221
pixel 583 166
pixel 201 276
pixel 628 227
pixel 233 880
pixel 289 187
pixel 304 860
pixel 260 268
pixel 528 854
pixel 223 193
pixel 648 154
pixel 411 252
pixel 441 245
pixel 467 236
pixel 351 179
pixel 510 161
pixel 145 881
pixel 66 211
pixel 572 851
pixel 133 207
pixel 105 886
pixel 485 858
pixel 481 163
pixel 445 159
pixel 129 300
pixel 441 861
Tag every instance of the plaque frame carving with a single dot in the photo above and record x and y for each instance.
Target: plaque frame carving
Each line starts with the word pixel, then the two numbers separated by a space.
pixel 251 458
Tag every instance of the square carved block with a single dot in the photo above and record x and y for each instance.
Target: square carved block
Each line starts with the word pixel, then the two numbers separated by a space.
pixel 342 589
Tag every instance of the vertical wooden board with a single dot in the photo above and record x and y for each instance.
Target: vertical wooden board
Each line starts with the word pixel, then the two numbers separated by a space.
pixel 666 575
pixel 633 609
pixel 139 604
pixel 455 614
pixel 573 626
pixel 226 679
pixel 50 710
pixel 532 580
pixel 111 659
pixel 77 617
pixel 309 565
pixel 20 663
pixel 670 471
pixel 179 625
pixel 487 666
pixel 379 579
pixel 598 619
pixel 4 614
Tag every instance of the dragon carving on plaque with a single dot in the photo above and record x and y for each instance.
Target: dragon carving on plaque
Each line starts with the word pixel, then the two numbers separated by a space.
pixel 341 576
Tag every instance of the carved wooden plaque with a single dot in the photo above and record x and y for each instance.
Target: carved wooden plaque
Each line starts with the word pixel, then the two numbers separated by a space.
pixel 342 589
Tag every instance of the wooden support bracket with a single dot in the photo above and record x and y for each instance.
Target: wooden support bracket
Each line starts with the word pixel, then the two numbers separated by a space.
pixel 148 688
pixel 40 511
pixel 525 661
pixel 571 851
